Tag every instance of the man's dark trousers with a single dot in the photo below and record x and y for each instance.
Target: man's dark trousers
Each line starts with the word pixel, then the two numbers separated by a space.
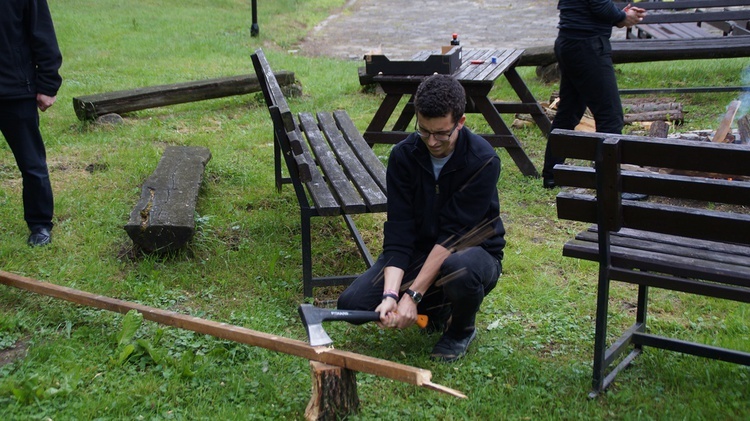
pixel 587 80
pixel 19 123
pixel 467 277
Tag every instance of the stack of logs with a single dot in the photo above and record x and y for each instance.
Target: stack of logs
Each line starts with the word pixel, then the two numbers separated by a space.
pixel 656 116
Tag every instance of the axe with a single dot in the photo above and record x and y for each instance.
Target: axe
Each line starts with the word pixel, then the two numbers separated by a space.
pixel 313 318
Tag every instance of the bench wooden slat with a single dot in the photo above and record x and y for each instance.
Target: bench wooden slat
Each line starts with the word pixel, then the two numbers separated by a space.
pixel 718 253
pixel 675 186
pixel 361 148
pixel 303 167
pixel 685 4
pixel 737 249
pixel 666 153
pixel 666 219
pixel 349 199
pixel 696 17
pixel 686 30
pixel 324 200
pixel 673 283
pixel 693 268
pixel 372 194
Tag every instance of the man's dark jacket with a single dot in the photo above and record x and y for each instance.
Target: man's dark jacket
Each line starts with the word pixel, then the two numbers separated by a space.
pixel 29 55
pixel 587 18
pixel 423 212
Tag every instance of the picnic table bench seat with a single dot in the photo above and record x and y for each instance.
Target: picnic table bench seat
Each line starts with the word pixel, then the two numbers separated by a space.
pixel 684 19
pixel 333 170
pixel 692 235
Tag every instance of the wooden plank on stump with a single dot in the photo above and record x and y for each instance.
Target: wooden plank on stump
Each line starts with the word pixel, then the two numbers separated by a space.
pixel 164 217
pixel 90 107
pixel 334 393
pixel 350 360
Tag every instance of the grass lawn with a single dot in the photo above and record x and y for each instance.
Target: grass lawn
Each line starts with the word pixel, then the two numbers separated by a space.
pixel 531 359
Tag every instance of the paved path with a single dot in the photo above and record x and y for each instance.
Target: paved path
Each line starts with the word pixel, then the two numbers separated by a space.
pixel 399 28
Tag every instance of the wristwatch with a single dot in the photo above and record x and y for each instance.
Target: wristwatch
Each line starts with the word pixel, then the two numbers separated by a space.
pixel 417 297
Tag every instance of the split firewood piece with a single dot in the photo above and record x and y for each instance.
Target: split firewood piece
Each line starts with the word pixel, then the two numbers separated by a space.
pixel 726 123
pixel 744 125
pixel 659 128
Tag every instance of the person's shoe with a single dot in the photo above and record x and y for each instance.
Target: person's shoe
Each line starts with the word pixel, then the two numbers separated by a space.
pixel 40 237
pixel 449 349
pixel 634 196
pixel 549 183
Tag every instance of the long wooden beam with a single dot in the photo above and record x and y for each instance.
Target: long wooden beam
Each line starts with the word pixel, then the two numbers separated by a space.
pixel 350 360
pixel 90 107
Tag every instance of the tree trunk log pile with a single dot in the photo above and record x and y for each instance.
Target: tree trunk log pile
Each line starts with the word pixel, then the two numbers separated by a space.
pixel 164 218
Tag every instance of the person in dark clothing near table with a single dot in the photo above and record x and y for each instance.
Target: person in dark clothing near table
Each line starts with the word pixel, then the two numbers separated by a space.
pixel 443 237
pixel 29 80
pixel 587 75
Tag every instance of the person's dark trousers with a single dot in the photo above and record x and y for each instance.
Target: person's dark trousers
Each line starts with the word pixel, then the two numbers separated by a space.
pixel 587 79
pixel 19 123
pixel 466 277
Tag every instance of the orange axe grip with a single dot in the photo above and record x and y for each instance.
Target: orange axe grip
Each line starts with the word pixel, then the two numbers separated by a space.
pixel 422 320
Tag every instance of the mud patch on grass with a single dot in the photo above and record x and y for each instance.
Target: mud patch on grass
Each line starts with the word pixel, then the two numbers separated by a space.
pixel 14 353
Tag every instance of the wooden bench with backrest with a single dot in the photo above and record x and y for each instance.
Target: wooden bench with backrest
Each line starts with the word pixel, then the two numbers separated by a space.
pixel 684 19
pixel 692 235
pixel 332 169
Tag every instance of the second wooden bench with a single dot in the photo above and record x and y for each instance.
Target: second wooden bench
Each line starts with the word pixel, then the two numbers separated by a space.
pixel 692 236
pixel 328 160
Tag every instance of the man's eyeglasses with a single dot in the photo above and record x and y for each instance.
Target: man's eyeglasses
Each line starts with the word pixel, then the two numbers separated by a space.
pixel 439 136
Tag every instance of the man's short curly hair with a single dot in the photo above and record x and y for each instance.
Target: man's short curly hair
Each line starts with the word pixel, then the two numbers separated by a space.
pixel 439 95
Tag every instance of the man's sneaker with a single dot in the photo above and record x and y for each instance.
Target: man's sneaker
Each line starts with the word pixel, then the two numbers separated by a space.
pixel 449 349
pixel 40 237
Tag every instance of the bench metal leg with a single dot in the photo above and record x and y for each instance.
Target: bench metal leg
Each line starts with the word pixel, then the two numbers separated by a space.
pixel 307 279
pixel 600 335
pixel 363 250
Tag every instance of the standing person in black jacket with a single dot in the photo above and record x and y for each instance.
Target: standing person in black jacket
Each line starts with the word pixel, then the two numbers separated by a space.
pixel 29 62
pixel 443 237
pixel 587 75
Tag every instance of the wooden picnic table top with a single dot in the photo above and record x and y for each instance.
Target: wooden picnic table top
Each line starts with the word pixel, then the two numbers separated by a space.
pixel 485 72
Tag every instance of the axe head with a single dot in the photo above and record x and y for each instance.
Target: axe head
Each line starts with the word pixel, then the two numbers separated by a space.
pixel 312 317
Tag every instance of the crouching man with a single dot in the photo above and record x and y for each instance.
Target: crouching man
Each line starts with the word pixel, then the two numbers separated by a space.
pixel 443 237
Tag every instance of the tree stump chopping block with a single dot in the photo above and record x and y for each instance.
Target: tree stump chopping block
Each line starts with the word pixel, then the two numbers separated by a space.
pixel 334 393
pixel 164 218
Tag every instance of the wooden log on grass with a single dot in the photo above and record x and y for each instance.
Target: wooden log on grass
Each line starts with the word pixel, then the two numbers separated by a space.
pixel 90 107
pixel 164 217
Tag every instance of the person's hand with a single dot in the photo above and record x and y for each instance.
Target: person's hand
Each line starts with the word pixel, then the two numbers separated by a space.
pixel 44 101
pixel 633 15
pixel 388 313
pixel 407 312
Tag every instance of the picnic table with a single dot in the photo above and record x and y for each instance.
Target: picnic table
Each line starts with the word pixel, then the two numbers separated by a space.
pixel 477 74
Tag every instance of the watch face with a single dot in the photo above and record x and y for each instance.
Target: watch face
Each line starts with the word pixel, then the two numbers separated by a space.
pixel 417 297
